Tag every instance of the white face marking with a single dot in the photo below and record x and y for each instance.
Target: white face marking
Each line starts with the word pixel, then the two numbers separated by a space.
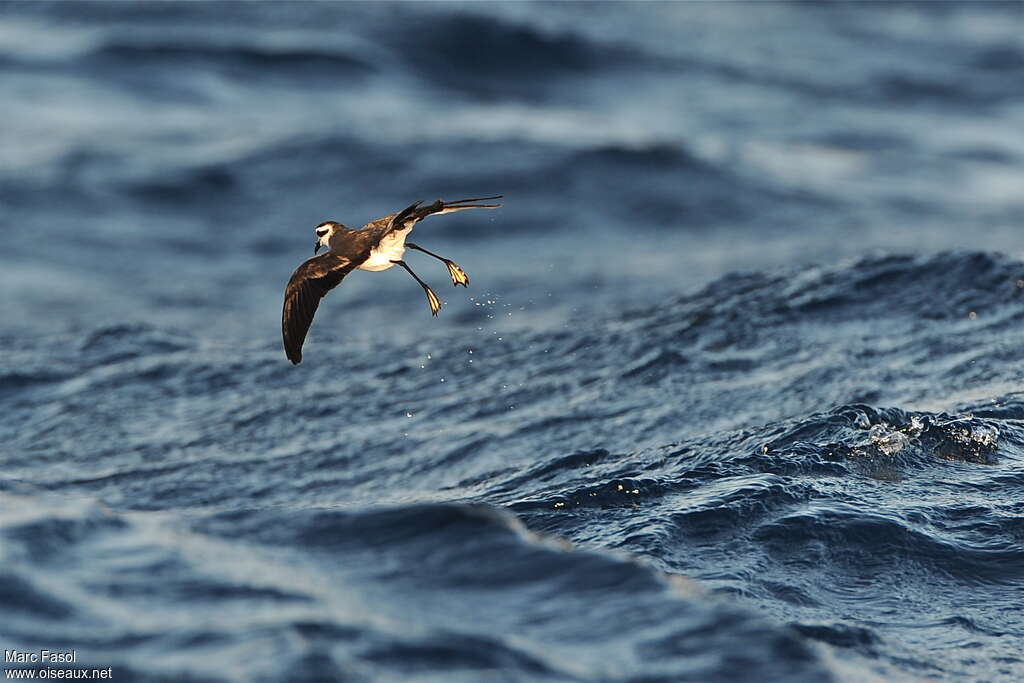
pixel 323 234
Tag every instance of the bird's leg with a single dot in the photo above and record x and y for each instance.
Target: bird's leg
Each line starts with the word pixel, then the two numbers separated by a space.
pixel 435 303
pixel 459 276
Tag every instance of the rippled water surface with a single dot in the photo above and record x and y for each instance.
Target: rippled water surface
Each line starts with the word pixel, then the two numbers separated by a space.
pixel 734 393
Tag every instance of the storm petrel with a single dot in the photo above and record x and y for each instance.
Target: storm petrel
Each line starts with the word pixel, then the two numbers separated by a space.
pixel 378 245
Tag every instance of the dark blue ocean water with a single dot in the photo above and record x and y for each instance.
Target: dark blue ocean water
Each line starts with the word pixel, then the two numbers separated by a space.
pixel 736 392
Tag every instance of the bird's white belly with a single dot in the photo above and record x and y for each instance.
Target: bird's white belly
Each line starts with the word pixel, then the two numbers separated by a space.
pixel 391 248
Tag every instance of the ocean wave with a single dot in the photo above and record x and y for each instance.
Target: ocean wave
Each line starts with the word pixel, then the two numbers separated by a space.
pixel 585 468
pixel 486 57
pixel 347 583
pixel 110 344
pixel 712 436
pixel 1001 57
pixel 944 285
pixel 293 60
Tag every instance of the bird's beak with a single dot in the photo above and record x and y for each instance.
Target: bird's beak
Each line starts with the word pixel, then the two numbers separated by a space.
pixel 316 247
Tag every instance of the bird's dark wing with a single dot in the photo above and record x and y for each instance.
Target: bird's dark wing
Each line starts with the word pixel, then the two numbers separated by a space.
pixel 309 283
pixel 414 213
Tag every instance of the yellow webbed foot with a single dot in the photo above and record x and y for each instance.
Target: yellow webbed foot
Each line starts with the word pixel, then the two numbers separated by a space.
pixel 435 303
pixel 459 276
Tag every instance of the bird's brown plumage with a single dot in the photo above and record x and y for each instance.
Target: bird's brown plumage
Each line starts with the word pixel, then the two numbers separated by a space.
pixel 348 250
pixel 308 284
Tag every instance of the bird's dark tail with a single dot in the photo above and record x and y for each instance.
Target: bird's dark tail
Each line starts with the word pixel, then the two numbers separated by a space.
pixel 416 212
pixel 478 199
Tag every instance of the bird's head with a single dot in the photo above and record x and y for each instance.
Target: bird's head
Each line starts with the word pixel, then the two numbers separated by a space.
pixel 324 232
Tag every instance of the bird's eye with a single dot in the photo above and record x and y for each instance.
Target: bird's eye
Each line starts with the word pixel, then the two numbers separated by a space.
pixel 321 232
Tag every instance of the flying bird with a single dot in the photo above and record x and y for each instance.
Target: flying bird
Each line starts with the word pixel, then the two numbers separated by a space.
pixel 378 245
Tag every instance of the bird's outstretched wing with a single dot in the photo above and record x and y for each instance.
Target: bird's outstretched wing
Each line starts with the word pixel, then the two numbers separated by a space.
pixel 414 213
pixel 309 283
